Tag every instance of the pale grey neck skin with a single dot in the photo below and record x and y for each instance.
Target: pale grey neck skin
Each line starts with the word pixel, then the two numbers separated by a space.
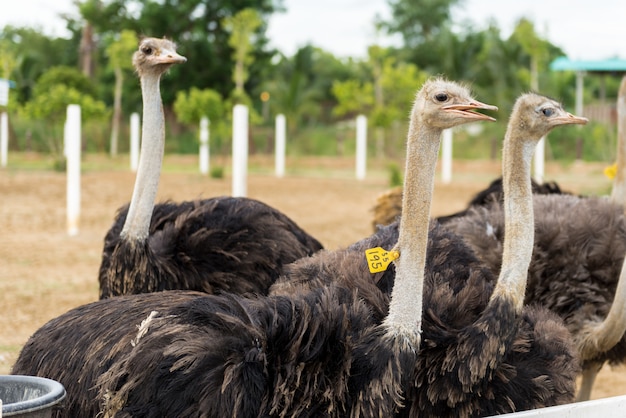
pixel 519 223
pixel 405 309
pixel 137 223
pixel 438 105
pixel 153 58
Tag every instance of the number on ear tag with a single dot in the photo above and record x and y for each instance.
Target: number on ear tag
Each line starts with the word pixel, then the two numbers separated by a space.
pixel 378 259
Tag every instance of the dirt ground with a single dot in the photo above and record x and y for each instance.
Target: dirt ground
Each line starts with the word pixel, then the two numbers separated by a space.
pixel 44 272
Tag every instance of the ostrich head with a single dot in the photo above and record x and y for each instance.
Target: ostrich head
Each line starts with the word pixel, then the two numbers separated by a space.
pixel 156 56
pixel 534 116
pixel 443 104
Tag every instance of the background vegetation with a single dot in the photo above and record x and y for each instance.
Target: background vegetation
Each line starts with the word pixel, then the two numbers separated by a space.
pixel 229 61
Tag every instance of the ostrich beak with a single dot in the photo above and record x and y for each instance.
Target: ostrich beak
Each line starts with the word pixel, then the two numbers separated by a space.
pixel 569 119
pixel 170 57
pixel 467 110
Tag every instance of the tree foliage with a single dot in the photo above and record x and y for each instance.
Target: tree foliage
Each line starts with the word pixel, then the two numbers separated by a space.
pixel 228 53
pixel 418 20
pixel 242 26
pixel 294 90
pixel 36 53
pixel 66 76
pixel 197 26
pixel 118 53
pixel 353 96
pixel 52 104
pixel 191 106
pixel 8 58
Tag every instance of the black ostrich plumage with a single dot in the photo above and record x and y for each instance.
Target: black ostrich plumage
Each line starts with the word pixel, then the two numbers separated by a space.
pixel 577 257
pixel 222 244
pixel 473 361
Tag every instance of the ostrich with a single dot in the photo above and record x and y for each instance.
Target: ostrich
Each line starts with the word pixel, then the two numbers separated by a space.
pixel 212 245
pixel 483 352
pixel 319 352
pixel 575 271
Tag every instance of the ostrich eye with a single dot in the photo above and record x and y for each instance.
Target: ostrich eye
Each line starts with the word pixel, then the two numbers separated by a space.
pixel 441 97
pixel 548 111
pixel 147 50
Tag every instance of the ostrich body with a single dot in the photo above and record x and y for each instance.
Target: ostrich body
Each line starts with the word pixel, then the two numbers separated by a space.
pixel 319 352
pixel 76 347
pixel 482 352
pixel 388 206
pixel 222 244
pixel 212 245
pixel 575 271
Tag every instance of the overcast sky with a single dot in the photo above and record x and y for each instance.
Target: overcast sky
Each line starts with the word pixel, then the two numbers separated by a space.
pixel 583 29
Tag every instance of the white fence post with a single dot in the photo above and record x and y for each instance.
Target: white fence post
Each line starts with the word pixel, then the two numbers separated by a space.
pixel 4 138
pixel 446 156
pixel 240 150
pixel 280 139
pixel 204 145
pixel 134 141
pixel 72 149
pixel 361 146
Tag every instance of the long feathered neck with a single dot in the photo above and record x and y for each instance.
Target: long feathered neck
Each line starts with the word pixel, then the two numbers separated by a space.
pixel 618 194
pixel 137 223
pixel 405 308
pixel 518 218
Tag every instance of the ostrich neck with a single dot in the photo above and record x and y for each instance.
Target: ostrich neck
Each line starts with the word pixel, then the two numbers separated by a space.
pixel 137 223
pixel 606 334
pixel 518 220
pixel 405 308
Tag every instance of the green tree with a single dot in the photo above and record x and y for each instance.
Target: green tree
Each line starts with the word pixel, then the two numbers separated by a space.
pixel 198 28
pixel 191 106
pixel 119 53
pixel 8 63
pixel 495 70
pixel 56 89
pixel 532 45
pixel 66 76
pixel 51 106
pixel 241 26
pixel 418 20
pixel 293 92
pixel 353 97
pixel 35 54
pixel 8 58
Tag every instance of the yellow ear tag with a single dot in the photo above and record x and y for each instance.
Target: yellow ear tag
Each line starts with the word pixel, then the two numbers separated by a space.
pixel 379 259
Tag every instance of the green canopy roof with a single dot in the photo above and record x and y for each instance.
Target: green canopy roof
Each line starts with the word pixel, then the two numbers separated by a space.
pixel 608 65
